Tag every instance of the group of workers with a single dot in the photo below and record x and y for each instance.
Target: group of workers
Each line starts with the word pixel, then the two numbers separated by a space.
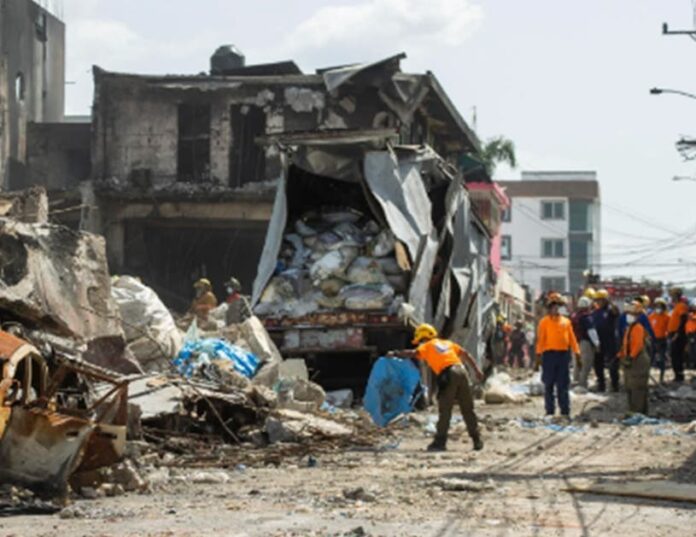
pixel 205 301
pixel 595 336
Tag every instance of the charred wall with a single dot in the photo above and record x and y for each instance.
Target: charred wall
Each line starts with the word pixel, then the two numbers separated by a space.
pixel 32 56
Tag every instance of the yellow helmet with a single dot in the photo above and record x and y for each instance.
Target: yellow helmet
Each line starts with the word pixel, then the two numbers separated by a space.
pixel 602 294
pixel 645 300
pixel 590 293
pixel 424 331
pixel 203 282
pixel 635 307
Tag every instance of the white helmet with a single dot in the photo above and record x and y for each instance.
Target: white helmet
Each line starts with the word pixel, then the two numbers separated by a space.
pixel 584 302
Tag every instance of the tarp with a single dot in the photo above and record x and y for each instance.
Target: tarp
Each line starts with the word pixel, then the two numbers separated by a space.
pixel 201 352
pixel 391 390
pixel 274 240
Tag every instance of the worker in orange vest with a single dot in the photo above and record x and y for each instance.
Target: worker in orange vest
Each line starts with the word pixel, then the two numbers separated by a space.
pixel 205 300
pixel 659 320
pixel 677 332
pixel 635 361
pixel 447 359
pixel 556 343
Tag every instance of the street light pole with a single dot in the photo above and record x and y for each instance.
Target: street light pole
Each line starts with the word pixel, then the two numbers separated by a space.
pixel 660 91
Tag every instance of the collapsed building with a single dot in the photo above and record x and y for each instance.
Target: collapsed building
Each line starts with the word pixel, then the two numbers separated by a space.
pixel 198 175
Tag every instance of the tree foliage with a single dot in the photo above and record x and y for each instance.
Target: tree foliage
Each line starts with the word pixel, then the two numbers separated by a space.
pixel 496 151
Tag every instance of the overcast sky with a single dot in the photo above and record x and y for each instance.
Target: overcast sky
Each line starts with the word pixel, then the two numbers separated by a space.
pixel 566 81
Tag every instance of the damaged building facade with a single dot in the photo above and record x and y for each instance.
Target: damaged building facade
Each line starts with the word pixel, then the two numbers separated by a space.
pixel 185 172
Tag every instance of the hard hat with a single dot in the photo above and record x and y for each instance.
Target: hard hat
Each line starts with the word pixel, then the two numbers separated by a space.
pixel 584 302
pixel 659 301
pixel 203 282
pixel 645 300
pixel 590 293
pixel 556 298
pixel 602 294
pixel 234 283
pixel 424 331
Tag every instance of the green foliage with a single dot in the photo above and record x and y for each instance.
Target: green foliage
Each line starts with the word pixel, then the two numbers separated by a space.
pixel 498 150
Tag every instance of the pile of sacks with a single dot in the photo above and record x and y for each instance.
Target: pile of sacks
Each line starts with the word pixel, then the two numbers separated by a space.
pixel 335 259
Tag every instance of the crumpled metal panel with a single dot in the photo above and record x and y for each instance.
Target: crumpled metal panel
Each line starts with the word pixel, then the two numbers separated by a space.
pixel 335 78
pixel 274 240
pixel 398 187
pixel 40 449
pixel 419 293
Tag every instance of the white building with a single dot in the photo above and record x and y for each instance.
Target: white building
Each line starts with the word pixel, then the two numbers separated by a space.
pixel 551 234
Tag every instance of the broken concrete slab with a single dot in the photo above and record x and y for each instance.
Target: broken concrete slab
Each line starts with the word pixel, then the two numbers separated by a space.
pixel 57 280
pixel 293 426
pixel 655 490
pixel 28 206
pixel 260 343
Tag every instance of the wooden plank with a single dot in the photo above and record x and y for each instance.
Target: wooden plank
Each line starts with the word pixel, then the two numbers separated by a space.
pixel 654 490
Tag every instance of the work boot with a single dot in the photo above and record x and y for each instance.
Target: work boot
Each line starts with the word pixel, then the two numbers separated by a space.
pixel 478 443
pixel 435 445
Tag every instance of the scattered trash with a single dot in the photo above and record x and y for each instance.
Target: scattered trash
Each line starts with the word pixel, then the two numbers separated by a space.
pixel 455 484
pixel 340 398
pixel 640 419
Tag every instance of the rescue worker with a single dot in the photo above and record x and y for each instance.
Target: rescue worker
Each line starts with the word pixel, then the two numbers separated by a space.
pixel 518 341
pixel 635 361
pixel 586 334
pixel 555 344
pixel 447 359
pixel 642 319
pixel 204 300
pixel 691 334
pixel 659 319
pixel 238 308
pixel 676 329
pixel 605 319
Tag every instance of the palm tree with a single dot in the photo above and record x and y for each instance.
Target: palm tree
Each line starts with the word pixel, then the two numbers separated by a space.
pixel 498 150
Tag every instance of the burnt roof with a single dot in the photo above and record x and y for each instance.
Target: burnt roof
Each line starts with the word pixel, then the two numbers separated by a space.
pixel 550 189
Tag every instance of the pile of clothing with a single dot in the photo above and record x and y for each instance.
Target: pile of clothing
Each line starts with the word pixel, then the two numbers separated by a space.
pixel 334 259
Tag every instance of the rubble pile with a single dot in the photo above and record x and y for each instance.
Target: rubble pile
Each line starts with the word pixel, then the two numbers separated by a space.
pixel 335 259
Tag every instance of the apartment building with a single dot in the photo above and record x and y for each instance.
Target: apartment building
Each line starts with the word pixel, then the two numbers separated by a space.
pixel 550 234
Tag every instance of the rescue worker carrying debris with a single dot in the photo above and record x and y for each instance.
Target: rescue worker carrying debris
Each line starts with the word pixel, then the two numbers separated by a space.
pixel 635 361
pixel 204 300
pixel 555 343
pixel 238 308
pixel 586 334
pixel 447 359
pixel 605 319
pixel 659 320
pixel 677 333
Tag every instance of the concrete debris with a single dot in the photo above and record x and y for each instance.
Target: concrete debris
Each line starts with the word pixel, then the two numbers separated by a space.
pixel 57 280
pixel 293 368
pixel 359 494
pixel 299 394
pixel 209 478
pixel 293 426
pixel 340 398
pixel 455 484
pixel 27 206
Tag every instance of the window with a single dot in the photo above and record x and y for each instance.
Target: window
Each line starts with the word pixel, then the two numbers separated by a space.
pixel 506 214
pixel 552 248
pixel 19 87
pixel 247 158
pixel 553 210
pixel 506 247
pixel 579 253
pixel 193 154
pixel 580 216
pixel 553 283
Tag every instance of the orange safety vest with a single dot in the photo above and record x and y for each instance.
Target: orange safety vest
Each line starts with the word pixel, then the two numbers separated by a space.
pixel 439 354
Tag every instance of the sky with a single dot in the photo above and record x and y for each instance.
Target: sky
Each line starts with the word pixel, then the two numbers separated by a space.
pixel 568 82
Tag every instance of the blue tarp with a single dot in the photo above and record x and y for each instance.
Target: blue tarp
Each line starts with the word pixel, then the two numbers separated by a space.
pixel 391 390
pixel 200 352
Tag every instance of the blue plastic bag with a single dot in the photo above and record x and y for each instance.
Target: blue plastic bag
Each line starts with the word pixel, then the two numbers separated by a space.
pixel 392 389
pixel 201 352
